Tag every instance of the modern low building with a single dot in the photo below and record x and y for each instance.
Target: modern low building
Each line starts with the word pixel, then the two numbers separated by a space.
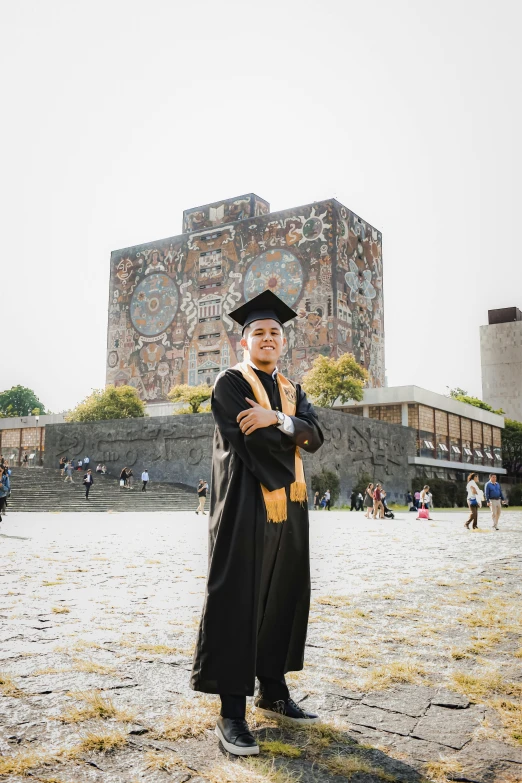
pixel 501 359
pixel 453 438
pixel 21 435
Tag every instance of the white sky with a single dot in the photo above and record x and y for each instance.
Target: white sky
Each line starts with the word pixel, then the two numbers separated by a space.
pixel 117 115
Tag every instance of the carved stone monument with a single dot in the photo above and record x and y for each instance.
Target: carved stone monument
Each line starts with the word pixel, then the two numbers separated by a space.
pixel 178 449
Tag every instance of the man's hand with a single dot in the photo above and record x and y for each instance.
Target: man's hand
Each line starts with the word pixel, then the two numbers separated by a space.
pixel 256 417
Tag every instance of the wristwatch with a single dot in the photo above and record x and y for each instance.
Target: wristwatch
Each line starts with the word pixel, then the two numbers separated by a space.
pixel 280 418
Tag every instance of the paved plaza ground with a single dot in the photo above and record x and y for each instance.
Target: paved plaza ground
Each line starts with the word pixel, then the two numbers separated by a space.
pixel 413 659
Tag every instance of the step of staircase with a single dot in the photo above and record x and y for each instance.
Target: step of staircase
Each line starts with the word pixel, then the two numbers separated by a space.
pixel 43 489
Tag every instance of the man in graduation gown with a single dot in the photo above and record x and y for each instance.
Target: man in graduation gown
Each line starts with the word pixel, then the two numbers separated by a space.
pixel 255 615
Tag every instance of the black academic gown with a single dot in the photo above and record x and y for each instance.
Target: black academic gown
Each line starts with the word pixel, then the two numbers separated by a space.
pixel 256 607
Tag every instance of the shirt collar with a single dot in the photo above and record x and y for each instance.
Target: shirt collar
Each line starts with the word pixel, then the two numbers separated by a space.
pixel 257 368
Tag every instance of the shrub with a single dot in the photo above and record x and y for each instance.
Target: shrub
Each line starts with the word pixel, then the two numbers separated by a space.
pixel 515 495
pixel 324 480
pixel 445 493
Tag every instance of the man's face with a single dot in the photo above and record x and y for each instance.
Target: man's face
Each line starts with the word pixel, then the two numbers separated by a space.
pixel 264 341
pixel 493 479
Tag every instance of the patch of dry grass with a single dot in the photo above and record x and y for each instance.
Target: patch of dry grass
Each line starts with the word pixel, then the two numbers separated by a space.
pixel 333 600
pixel 92 667
pixel 438 771
pixel 60 610
pixel 511 715
pixel 162 761
pixel 96 706
pixel 358 656
pixel 193 718
pixel 103 743
pixel 8 686
pixel 278 748
pixel 158 649
pixel 23 762
pixel 387 675
pixel 354 764
pixel 251 770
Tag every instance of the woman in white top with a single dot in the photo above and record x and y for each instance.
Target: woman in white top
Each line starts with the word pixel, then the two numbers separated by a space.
pixel 426 499
pixel 474 499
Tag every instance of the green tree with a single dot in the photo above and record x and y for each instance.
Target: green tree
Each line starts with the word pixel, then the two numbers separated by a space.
pixel 324 480
pixel 331 379
pixel 512 447
pixel 463 396
pixel 19 401
pixel 121 402
pixel 194 396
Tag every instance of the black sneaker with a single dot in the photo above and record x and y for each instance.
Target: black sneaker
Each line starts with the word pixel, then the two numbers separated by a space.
pixel 235 736
pixel 285 708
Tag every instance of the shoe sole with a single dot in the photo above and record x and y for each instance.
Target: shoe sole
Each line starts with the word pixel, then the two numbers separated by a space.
pixel 253 751
pixel 277 715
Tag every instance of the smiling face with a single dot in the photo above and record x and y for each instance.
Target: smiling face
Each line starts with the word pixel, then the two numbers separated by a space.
pixel 264 340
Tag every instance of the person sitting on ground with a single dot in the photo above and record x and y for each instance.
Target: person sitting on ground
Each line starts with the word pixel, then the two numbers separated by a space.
pixel 99 469
pixel 104 469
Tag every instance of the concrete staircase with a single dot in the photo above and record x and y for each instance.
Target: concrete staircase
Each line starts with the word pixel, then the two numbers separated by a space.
pixel 43 489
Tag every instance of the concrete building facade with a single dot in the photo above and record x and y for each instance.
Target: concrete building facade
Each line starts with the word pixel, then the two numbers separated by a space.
pixel 452 438
pixel 501 359
pixel 170 299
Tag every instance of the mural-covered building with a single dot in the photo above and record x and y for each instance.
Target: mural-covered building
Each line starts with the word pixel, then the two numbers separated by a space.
pixel 170 300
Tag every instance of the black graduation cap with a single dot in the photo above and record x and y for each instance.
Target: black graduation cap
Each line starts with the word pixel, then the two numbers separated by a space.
pixel 262 306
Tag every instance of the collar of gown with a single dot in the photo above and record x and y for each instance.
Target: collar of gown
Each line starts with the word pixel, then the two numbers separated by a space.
pixel 257 368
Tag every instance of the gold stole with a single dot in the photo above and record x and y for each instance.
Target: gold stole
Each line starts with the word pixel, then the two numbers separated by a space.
pixel 275 502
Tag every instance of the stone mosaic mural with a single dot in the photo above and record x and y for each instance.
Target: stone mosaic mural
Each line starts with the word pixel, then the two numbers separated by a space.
pixel 170 300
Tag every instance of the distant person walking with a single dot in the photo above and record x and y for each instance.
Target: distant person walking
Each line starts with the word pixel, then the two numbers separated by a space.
pixel 353 501
pixel 123 477
pixel 145 479
pixel 327 497
pixel 130 478
pixel 416 500
pixel 68 472
pixel 494 498
pixel 359 504
pixel 377 502
pixel 202 495
pixel 368 500
pixel 316 501
pixel 88 481
pixel 474 500
pixel 25 461
pixel 6 481
pixel 63 463
pixel 3 494
pixel 86 463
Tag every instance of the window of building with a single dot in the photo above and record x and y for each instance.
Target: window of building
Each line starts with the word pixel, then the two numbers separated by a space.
pixel 488 453
pixel 429 445
pixel 443 447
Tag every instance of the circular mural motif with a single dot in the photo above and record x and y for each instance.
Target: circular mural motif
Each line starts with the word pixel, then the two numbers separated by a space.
pixel 278 270
pixel 312 228
pixel 153 305
pixel 112 361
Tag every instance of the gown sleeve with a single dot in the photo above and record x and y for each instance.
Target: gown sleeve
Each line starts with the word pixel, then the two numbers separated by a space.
pixel 267 453
pixel 307 432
